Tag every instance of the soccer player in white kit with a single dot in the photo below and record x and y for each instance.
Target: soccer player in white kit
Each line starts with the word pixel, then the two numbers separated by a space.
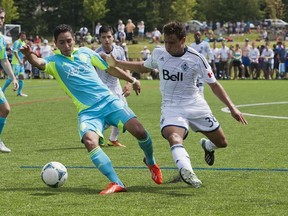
pixel 106 39
pixel 182 105
pixel 203 48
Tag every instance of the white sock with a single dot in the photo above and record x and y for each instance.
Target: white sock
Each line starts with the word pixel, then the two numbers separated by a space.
pixel 209 145
pixel 114 133
pixel 181 157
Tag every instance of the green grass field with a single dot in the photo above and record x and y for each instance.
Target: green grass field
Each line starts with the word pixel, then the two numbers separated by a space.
pixel 248 178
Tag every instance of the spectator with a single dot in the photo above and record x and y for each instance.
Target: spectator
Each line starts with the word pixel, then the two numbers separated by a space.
pixel 237 61
pixel 129 31
pixel 224 56
pixel 156 36
pixel 45 51
pixel 141 30
pixel 254 55
pixel 145 53
pixel 245 59
pixel 37 40
pixel 97 28
pixel 268 57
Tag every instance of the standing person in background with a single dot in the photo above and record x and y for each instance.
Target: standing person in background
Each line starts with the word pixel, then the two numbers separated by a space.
pixel 203 48
pixel 45 51
pixel 245 59
pixel 224 56
pixel 18 65
pixel 106 40
pixel 254 55
pixel 268 56
pixel 141 30
pixel 129 31
pixel 74 70
pixel 4 105
pixel 97 28
pixel 182 105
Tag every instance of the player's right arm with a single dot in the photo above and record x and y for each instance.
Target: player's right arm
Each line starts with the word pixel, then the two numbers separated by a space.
pixel 7 68
pixel 126 65
pixel 32 57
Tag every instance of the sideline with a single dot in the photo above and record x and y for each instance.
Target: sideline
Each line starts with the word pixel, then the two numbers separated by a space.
pixel 226 110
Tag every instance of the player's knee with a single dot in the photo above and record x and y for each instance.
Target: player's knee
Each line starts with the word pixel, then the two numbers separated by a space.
pixel 4 112
pixel 174 138
pixel 221 143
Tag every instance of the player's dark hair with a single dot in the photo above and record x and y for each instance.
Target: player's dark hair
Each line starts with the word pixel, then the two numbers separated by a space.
pixel 61 29
pixel 175 28
pixel 105 29
pixel 2 10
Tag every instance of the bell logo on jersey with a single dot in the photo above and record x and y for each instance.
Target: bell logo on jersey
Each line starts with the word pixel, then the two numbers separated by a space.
pixel 174 77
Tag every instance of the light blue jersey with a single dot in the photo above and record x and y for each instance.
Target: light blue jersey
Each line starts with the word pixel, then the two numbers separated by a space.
pixel 3 55
pixel 96 104
pixel 78 78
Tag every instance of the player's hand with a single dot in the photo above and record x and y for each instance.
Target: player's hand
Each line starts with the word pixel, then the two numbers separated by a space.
pixel 137 87
pixel 15 84
pixel 127 90
pixel 26 50
pixel 238 115
pixel 110 59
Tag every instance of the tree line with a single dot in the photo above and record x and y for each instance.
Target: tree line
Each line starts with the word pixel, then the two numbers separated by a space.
pixel 41 16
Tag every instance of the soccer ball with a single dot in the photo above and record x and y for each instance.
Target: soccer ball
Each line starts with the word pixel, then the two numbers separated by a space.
pixel 54 174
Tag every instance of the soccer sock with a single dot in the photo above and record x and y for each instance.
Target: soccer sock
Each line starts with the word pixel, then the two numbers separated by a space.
pixel 21 84
pixel 7 83
pixel 114 133
pixel 210 146
pixel 147 147
pixel 2 124
pixel 103 163
pixel 181 157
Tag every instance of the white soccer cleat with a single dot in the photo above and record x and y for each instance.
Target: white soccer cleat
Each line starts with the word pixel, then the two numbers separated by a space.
pixel 190 178
pixel 3 148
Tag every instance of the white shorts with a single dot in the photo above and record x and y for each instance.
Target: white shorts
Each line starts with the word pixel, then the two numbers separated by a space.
pixel 199 118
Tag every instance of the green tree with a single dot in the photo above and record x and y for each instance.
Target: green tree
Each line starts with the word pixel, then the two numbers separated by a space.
pixel 94 10
pixel 183 10
pixel 11 10
pixel 275 9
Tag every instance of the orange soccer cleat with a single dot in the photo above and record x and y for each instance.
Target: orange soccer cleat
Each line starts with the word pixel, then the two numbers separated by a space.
pixel 155 171
pixel 113 187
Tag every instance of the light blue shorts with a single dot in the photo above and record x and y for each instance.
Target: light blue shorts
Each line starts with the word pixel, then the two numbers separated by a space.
pixel 2 97
pixel 93 119
pixel 18 69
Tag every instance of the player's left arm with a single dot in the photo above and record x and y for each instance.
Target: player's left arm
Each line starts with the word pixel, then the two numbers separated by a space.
pixel 220 92
pixel 7 68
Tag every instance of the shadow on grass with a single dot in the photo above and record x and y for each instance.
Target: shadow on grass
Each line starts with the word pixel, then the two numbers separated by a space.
pixel 165 189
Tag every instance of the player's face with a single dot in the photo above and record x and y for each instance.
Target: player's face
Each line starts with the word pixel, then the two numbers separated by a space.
pixel 2 19
pixel 173 45
pixel 65 43
pixel 106 39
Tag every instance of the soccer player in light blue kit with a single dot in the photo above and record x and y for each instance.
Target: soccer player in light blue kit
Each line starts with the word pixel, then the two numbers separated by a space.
pixel 97 106
pixel 4 106
pixel 17 64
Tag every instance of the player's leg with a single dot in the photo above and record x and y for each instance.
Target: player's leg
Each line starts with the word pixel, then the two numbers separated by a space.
pixel 175 135
pixel 21 82
pixel 145 143
pixel 113 139
pixel 90 131
pixel 4 111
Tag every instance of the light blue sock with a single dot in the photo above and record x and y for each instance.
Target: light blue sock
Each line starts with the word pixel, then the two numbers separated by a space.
pixel 21 84
pixel 103 163
pixel 7 83
pixel 2 124
pixel 147 147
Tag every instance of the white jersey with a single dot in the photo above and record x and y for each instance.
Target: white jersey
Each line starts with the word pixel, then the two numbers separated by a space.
pixel 204 48
pixel 112 82
pixel 254 55
pixel 178 76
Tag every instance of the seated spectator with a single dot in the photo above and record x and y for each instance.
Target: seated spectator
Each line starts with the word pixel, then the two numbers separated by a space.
pixel 145 53
pixel 156 36
pixel 37 40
